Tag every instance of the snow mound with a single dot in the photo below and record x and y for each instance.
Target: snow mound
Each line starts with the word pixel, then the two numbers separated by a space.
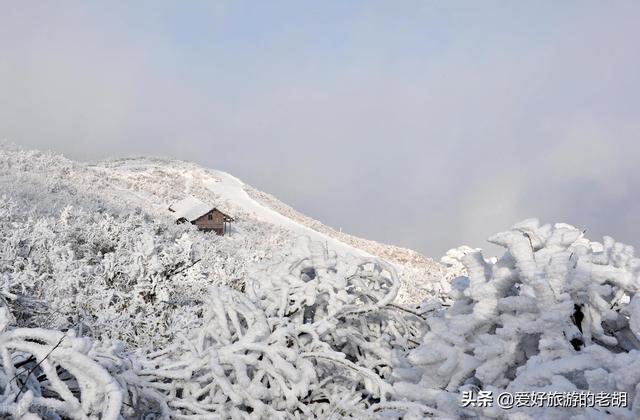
pixel 189 208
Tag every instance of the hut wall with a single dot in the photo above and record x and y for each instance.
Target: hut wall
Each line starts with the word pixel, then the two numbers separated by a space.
pixel 214 220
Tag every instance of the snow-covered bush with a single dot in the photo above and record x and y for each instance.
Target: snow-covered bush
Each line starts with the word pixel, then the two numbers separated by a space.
pixel 118 276
pixel 110 309
pixel 110 278
pixel 233 366
pixel 47 373
pixel 311 336
pixel 555 313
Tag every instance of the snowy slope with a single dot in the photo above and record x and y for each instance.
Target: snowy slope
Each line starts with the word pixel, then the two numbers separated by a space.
pixel 218 188
pixel 152 185
pixel 124 203
pixel 233 195
pixel 150 177
pixel 108 309
pixel 231 190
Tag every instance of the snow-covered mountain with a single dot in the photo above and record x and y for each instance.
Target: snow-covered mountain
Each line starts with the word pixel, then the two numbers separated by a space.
pixel 152 185
pixel 109 309
pixel 233 196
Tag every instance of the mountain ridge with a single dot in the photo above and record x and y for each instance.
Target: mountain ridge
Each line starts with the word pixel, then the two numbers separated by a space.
pixel 151 184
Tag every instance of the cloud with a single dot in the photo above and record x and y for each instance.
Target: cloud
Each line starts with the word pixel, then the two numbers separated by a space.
pixel 415 123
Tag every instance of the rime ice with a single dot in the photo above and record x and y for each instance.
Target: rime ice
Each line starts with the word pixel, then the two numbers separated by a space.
pixel 110 310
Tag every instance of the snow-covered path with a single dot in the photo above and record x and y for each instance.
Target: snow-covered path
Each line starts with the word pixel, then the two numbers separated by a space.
pixel 156 184
pixel 231 189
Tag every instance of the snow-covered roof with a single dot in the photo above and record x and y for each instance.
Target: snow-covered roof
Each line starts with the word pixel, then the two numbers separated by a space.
pixel 190 208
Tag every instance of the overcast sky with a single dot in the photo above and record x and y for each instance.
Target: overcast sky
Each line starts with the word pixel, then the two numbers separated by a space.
pixel 418 123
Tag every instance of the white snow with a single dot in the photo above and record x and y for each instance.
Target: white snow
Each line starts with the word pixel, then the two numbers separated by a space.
pixel 231 190
pixel 189 208
pixel 108 309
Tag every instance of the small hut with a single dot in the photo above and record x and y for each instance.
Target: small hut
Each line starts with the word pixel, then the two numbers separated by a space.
pixel 198 213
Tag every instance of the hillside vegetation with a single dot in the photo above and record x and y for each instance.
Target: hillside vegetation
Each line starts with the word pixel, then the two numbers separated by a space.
pixel 108 309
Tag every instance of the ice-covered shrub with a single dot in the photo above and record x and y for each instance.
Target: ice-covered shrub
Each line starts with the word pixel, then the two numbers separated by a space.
pixel 50 374
pixel 117 276
pixel 110 275
pixel 246 326
pixel 312 336
pixel 233 366
pixel 555 313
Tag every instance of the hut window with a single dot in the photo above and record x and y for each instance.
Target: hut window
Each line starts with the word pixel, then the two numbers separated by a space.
pixel 210 217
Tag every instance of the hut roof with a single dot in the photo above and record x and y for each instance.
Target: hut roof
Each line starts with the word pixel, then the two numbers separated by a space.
pixel 190 208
